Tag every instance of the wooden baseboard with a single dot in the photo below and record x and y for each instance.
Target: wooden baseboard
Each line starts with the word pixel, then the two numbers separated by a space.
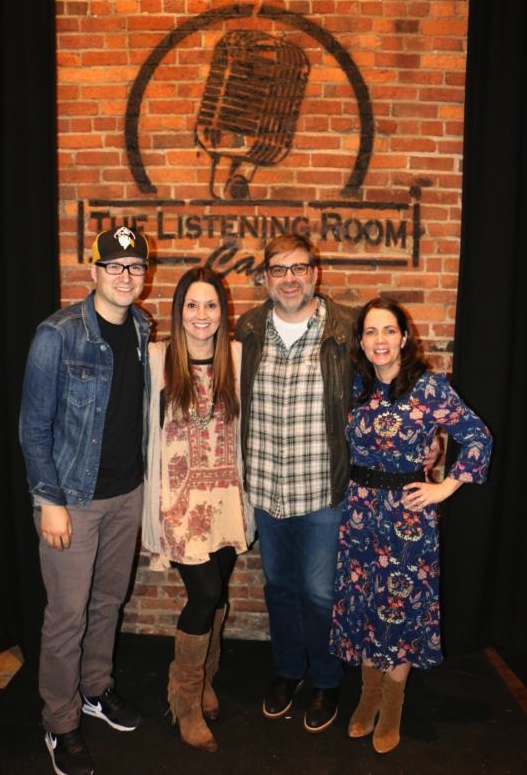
pixel 10 662
pixel 516 687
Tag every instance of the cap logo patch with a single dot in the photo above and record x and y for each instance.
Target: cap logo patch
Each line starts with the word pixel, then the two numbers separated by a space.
pixel 125 237
pixel 118 243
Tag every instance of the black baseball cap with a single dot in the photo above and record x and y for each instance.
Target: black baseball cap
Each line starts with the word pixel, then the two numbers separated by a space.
pixel 122 243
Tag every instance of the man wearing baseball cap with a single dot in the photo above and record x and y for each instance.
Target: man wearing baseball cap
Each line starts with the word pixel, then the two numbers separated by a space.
pixel 85 391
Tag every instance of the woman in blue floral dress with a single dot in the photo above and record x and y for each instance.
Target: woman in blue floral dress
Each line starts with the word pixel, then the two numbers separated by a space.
pixel 386 613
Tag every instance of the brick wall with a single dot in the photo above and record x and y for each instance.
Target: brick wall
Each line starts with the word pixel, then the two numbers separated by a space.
pixel 209 125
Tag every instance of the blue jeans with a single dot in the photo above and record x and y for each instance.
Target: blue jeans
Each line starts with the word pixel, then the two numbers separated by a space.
pixel 299 557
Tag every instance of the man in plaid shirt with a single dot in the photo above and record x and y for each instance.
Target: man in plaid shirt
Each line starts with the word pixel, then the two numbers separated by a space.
pixel 295 389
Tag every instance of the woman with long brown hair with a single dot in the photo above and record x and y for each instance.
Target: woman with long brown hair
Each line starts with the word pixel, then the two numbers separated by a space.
pixel 196 518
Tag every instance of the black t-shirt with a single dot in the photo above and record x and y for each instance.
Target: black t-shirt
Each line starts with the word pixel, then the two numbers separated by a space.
pixel 121 463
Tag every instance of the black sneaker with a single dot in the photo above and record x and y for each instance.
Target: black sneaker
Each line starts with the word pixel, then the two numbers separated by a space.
pixel 111 708
pixel 279 696
pixel 68 754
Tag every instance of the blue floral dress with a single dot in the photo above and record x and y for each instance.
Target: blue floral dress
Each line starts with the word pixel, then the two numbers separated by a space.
pixel 386 606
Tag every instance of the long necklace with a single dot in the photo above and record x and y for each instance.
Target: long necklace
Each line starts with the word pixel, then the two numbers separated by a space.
pixel 201 421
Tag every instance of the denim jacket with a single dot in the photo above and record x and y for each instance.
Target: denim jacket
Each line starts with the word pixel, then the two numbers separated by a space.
pixel 64 399
pixel 337 372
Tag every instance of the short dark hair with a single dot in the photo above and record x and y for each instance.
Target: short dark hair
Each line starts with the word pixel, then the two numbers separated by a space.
pixel 287 243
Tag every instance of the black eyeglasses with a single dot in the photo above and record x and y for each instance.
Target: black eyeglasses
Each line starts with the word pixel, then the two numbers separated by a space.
pixel 280 270
pixel 136 270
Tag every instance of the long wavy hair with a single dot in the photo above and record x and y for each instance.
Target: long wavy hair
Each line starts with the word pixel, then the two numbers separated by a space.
pixel 180 388
pixel 413 363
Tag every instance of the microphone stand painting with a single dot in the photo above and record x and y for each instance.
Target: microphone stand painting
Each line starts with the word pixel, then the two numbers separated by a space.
pixel 249 109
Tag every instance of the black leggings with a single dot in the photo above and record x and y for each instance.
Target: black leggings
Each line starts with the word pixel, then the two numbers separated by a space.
pixel 207 587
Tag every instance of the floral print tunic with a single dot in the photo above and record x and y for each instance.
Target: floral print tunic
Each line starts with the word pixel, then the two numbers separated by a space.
pixel 201 500
pixel 194 500
pixel 386 606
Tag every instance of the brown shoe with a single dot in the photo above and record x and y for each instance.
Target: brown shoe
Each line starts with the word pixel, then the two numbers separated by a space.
pixel 386 735
pixel 363 718
pixel 185 690
pixel 279 696
pixel 321 710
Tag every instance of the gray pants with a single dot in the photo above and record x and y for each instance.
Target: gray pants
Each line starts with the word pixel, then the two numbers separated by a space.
pixel 86 586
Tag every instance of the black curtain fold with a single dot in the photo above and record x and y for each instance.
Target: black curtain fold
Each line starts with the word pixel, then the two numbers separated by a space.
pixel 30 285
pixel 484 531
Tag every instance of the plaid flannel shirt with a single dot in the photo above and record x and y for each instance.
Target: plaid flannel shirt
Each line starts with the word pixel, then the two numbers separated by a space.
pixel 288 466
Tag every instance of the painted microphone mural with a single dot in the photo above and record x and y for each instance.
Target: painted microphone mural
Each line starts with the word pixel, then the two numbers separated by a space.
pixel 250 106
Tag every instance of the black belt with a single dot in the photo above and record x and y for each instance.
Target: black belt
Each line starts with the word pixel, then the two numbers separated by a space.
pixel 385 480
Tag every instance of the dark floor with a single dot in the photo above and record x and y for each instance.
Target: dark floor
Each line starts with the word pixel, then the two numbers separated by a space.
pixel 458 719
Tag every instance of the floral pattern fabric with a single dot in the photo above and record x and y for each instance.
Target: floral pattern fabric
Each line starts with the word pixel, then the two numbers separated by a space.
pixel 201 506
pixel 213 447
pixel 386 606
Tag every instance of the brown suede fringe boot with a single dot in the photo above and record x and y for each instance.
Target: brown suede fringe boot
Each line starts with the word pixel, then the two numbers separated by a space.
pixel 210 704
pixel 387 730
pixel 185 690
pixel 363 719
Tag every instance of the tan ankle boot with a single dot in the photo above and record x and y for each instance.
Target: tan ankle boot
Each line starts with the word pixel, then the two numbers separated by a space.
pixel 363 718
pixel 185 690
pixel 387 730
pixel 210 704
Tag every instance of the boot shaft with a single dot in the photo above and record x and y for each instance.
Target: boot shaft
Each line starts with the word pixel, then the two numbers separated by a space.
pixel 213 656
pixel 386 735
pixel 185 690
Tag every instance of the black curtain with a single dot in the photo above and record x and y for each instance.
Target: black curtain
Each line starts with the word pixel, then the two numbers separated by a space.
pixel 29 288
pixel 484 531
